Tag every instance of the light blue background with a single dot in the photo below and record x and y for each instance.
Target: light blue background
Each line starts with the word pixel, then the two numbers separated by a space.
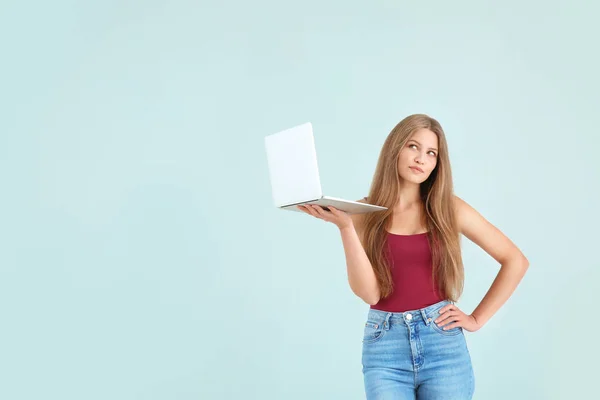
pixel 141 256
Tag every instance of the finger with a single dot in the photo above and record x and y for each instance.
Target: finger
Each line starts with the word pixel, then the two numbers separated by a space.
pixel 321 211
pixel 312 211
pixel 444 317
pixel 303 209
pixel 325 216
pixel 338 213
pixel 452 326
pixel 449 319
pixel 446 308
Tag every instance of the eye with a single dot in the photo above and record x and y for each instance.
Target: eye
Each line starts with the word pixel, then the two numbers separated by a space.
pixel 433 153
pixel 410 145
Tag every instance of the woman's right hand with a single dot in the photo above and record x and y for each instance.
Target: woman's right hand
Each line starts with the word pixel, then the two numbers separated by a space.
pixel 340 218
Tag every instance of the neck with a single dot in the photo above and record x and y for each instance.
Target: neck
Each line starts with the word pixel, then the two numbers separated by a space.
pixel 409 196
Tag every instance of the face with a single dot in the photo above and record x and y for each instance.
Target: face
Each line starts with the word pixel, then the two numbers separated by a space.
pixel 420 152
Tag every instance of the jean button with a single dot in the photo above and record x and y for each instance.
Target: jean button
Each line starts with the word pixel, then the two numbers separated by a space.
pixel 409 316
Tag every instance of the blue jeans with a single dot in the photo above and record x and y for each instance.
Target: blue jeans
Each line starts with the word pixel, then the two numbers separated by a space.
pixel 406 355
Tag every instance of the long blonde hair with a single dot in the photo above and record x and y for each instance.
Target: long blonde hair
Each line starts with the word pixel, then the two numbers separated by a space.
pixel 437 195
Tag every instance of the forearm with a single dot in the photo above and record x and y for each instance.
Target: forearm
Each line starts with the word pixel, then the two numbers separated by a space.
pixel 502 288
pixel 361 277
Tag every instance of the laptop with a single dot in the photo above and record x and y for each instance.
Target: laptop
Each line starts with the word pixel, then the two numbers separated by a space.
pixel 294 173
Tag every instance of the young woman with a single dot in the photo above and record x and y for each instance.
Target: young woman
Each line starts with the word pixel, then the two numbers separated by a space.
pixel 406 263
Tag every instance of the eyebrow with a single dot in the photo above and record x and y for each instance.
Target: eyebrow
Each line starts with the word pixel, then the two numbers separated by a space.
pixel 431 148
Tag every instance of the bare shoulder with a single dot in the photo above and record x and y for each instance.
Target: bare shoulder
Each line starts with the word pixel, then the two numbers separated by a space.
pixel 483 233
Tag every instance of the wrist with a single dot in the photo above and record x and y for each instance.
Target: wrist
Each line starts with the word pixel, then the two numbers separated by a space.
pixel 346 228
pixel 477 321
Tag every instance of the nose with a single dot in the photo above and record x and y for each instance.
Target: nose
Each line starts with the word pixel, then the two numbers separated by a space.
pixel 418 160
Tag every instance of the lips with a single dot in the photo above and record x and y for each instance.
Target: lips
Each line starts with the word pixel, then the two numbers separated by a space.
pixel 416 169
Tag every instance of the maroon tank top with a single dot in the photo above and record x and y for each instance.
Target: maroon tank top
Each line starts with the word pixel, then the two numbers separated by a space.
pixel 411 265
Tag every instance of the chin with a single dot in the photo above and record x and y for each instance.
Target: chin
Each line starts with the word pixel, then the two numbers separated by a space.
pixel 412 179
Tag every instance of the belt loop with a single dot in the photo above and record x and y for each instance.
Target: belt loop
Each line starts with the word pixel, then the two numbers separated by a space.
pixel 424 315
pixel 386 322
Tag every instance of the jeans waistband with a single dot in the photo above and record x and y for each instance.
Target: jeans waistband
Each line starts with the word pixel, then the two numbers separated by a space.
pixel 426 314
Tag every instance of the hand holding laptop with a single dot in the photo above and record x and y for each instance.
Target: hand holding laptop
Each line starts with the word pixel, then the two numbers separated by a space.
pixel 294 173
pixel 340 218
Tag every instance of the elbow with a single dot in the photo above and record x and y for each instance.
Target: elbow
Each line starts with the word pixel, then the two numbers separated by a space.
pixel 370 295
pixel 372 299
pixel 369 298
pixel 516 259
pixel 523 261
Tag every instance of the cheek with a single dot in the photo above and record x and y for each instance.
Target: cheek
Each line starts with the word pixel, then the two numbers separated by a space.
pixel 403 157
pixel 433 167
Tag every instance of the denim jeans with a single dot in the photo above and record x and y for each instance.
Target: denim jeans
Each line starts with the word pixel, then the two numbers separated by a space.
pixel 406 355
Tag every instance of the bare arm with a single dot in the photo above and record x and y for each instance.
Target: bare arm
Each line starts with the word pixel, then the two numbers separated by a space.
pixel 513 264
pixel 361 277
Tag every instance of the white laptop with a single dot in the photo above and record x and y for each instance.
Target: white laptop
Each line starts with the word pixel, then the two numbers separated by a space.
pixel 294 174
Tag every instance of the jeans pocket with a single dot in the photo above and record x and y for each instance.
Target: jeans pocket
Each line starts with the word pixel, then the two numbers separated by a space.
pixel 450 332
pixel 373 331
